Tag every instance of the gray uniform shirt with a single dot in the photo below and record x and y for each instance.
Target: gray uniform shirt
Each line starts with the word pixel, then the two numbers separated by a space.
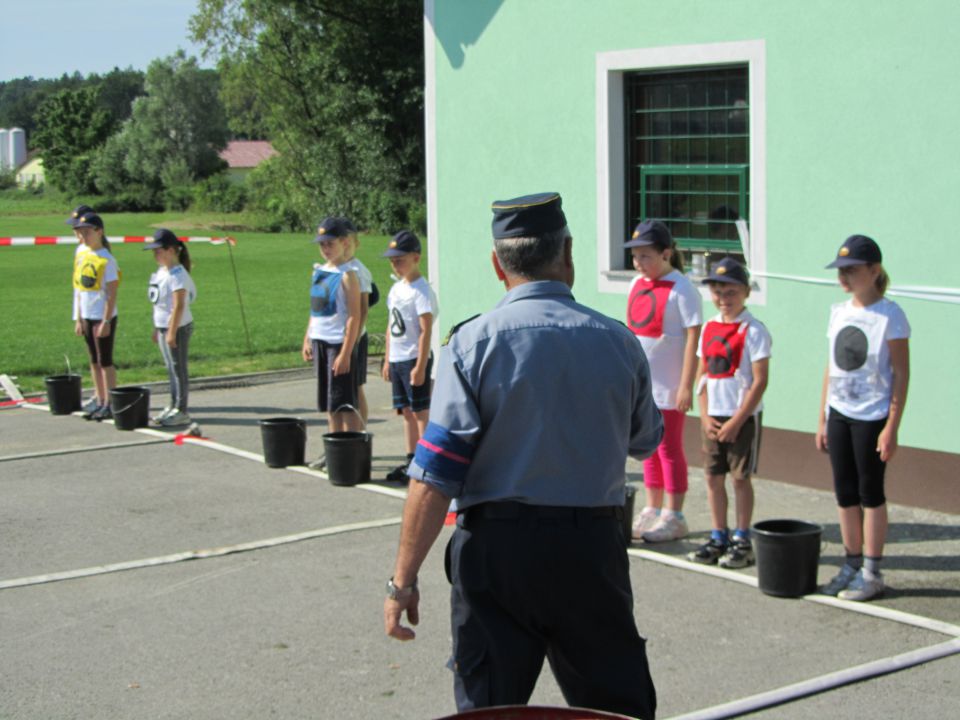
pixel 538 401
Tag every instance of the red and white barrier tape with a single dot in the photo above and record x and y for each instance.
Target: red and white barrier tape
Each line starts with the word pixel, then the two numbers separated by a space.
pixel 71 240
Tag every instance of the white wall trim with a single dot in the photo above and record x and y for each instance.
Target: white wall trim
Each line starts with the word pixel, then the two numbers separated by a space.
pixel 611 153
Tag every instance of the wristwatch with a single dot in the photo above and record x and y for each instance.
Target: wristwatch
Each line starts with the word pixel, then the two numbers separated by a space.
pixel 399 593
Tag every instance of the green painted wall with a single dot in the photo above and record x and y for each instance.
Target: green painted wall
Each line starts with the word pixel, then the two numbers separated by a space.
pixel 862 114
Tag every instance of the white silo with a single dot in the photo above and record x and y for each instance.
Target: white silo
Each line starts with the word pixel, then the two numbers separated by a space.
pixel 17 154
pixel 4 147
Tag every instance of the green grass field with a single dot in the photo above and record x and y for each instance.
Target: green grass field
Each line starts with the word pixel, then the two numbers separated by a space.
pixel 36 333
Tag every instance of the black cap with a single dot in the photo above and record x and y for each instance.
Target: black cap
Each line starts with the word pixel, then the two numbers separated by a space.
pixel 332 228
pixel 88 219
pixel 650 232
pixel 728 270
pixel 77 212
pixel 528 216
pixel 163 238
pixel 402 243
pixel 857 250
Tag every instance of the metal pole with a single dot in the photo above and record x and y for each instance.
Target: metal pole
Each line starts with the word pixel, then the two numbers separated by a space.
pixel 236 282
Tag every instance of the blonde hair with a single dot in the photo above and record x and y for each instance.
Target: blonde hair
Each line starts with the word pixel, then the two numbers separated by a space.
pixel 883 280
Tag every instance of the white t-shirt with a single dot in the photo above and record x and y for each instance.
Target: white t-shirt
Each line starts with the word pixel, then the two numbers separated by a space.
pixel 405 304
pixel 659 313
pixel 328 303
pixel 163 284
pixel 861 377
pixel 95 274
pixel 364 276
pixel 730 350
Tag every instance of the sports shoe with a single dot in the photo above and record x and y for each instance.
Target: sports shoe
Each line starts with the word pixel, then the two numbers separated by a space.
pixel 667 528
pixel 864 586
pixel 162 414
pixel 644 521
pixel 708 553
pixel 840 581
pixel 175 419
pixel 399 474
pixel 90 406
pixel 739 554
pixel 101 413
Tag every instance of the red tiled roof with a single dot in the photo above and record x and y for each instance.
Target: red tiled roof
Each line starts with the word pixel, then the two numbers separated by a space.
pixel 247 153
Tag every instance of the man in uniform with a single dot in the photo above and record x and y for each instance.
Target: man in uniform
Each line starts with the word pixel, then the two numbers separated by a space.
pixel 536 405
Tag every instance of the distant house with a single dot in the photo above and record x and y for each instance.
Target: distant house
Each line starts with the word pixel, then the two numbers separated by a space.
pixel 242 156
pixel 31 172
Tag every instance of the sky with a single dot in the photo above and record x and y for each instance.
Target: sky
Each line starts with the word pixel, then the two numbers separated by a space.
pixel 46 38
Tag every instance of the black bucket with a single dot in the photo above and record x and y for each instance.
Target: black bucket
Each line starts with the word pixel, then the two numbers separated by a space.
pixel 349 456
pixel 628 513
pixel 63 393
pixel 284 441
pixel 788 556
pixel 130 407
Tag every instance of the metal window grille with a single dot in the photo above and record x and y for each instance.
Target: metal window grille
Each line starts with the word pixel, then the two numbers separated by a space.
pixel 688 150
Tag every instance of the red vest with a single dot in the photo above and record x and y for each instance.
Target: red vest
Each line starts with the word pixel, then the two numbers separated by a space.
pixel 722 347
pixel 648 300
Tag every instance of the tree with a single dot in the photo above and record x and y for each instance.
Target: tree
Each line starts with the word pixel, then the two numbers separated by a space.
pixel 71 125
pixel 337 87
pixel 172 138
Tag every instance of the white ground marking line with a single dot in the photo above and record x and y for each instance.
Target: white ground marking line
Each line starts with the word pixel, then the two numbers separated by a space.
pixel 197 554
pixel 830 681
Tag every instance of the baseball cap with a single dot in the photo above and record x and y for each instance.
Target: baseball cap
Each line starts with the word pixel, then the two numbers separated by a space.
pixel 728 270
pixel 163 238
pixel 528 216
pixel 402 243
pixel 650 232
pixel 89 219
pixel 331 228
pixel 77 212
pixel 857 250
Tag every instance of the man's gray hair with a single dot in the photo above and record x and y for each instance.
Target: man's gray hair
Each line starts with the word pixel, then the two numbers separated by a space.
pixel 531 257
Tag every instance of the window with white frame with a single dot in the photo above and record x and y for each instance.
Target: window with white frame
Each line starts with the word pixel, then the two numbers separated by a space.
pixel 681 139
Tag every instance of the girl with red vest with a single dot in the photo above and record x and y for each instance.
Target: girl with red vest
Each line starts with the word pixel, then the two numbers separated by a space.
pixel 664 312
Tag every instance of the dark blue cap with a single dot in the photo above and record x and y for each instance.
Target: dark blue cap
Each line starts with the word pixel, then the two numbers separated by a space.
pixel 77 212
pixel 857 250
pixel 528 216
pixel 650 232
pixel 89 219
pixel 332 228
pixel 163 238
pixel 728 270
pixel 402 243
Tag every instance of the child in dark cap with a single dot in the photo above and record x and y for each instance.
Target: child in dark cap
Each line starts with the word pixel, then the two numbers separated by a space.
pixel 412 312
pixel 864 392
pixel 733 372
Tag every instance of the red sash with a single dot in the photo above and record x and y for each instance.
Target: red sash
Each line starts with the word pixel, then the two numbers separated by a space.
pixel 648 300
pixel 723 347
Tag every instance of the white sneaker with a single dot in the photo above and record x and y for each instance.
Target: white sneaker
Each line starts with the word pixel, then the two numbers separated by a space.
pixel 91 405
pixel 162 414
pixel 864 586
pixel 175 419
pixel 644 521
pixel 840 581
pixel 667 528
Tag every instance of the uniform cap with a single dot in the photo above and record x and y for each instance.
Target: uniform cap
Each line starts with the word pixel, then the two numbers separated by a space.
pixel 88 219
pixel 528 216
pixel 728 270
pixel 402 243
pixel 332 228
pixel 163 238
pixel 76 213
pixel 857 250
pixel 650 232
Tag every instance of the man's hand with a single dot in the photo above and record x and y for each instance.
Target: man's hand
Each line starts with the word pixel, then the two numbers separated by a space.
pixel 393 613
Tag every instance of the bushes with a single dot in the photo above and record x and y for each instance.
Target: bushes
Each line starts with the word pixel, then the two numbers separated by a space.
pixel 219 194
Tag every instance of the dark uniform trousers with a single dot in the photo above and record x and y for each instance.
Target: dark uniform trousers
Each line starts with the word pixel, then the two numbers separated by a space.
pixel 531 582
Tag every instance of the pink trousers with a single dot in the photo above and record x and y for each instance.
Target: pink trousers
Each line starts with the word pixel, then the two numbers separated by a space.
pixel 667 467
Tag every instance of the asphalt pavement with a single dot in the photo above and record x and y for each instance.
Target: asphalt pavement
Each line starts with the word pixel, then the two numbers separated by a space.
pixel 149 576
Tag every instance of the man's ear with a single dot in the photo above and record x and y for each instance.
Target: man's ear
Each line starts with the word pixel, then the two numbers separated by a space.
pixel 501 275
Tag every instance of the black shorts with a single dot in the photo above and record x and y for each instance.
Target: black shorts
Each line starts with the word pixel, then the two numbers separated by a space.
pixel 858 471
pixel 100 348
pixel 415 397
pixel 333 391
pixel 363 345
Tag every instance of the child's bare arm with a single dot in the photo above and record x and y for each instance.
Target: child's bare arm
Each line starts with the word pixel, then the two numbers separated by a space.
pixel 821 437
pixel 685 392
pixel 351 291
pixel 900 362
pixel 418 375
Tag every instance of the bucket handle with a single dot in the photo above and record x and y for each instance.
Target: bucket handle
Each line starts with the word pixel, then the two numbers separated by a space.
pixel 124 409
pixel 67 358
pixel 351 407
